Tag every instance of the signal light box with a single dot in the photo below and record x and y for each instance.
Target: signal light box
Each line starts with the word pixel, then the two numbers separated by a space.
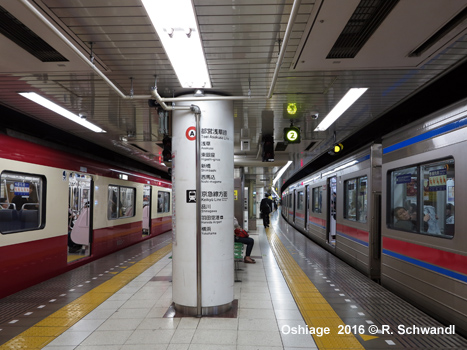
pixel 292 135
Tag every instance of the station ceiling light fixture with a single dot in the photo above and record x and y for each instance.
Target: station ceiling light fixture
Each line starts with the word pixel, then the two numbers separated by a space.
pixel 60 110
pixel 281 172
pixel 176 25
pixel 348 100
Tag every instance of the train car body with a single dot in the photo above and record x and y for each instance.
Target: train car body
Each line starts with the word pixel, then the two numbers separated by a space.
pixel 335 207
pixel 389 211
pixel 60 211
pixel 426 261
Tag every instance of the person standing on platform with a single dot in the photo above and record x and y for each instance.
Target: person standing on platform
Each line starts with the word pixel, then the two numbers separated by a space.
pixel 266 208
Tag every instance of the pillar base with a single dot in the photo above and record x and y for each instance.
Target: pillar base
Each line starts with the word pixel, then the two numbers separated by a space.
pixel 205 311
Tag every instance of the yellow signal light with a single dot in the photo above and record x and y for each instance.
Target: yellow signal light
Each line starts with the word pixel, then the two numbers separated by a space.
pixel 338 147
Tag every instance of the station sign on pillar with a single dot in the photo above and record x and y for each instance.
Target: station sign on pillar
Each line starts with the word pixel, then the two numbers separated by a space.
pixel 217 206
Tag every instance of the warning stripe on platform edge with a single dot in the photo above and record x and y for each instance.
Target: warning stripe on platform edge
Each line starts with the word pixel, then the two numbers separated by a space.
pixel 47 330
pixel 314 308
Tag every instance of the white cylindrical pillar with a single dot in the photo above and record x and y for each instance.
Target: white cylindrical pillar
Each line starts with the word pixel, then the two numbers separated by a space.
pixel 216 193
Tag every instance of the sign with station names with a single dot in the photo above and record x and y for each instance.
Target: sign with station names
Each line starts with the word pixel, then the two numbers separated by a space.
pixel 216 178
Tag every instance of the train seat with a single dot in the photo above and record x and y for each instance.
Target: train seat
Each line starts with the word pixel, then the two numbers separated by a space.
pixel 29 219
pixel 9 220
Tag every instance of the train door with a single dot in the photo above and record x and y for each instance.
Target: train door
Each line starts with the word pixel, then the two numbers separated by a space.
pixel 147 192
pixel 294 205
pixel 307 206
pixel 332 203
pixel 79 216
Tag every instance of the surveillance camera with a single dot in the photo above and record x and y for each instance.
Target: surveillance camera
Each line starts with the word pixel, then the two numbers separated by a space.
pixel 83 115
pixel 315 116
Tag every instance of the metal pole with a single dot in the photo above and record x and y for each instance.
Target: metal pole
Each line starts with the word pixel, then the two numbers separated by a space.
pixel 285 41
pixel 197 112
pixel 288 31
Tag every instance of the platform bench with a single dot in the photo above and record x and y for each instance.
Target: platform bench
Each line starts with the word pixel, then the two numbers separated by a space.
pixel 238 257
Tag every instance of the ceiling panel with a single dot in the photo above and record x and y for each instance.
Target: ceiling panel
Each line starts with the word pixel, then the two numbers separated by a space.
pixel 241 40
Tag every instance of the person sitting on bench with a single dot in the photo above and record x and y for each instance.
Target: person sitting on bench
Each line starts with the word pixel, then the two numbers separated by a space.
pixel 242 236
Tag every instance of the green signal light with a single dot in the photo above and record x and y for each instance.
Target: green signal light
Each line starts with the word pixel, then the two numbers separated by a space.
pixel 292 135
pixel 292 108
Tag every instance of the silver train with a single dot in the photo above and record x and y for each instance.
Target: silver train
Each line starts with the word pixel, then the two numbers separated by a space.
pixel 389 210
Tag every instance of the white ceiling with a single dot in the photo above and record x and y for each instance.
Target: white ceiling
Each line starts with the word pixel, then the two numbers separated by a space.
pixel 241 40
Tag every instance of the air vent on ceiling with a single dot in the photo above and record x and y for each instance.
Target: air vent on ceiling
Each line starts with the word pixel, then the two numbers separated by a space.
pixel 366 18
pixel 24 37
pixel 458 19
pixel 280 146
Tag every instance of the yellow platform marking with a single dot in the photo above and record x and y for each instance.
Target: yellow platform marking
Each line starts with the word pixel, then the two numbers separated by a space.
pixel 314 308
pixel 45 331
pixel 368 337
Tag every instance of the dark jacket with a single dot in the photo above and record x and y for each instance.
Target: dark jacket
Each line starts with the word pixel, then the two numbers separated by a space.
pixel 265 206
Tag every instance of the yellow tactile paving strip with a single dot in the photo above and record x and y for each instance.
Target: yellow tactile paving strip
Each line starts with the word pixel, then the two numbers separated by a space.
pixel 45 331
pixel 315 310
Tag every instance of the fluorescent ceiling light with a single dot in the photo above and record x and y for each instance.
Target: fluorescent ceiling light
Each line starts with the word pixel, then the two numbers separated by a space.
pixel 60 110
pixel 350 97
pixel 175 23
pixel 273 190
pixel 279 174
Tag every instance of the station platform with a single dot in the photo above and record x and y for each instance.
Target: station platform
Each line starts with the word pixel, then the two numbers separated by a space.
pixel 296 296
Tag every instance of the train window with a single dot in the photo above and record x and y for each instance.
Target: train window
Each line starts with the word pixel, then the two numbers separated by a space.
pixel 127 199
pixel 355 199
pixel 121 202
pixel 147 191
pixel 300 201
pixel 403 199
pixel 351 200
pixel 163 202
pixel 362 199
pixel 22 202
pixel 438 198
pixel 429 210
pixel 317 193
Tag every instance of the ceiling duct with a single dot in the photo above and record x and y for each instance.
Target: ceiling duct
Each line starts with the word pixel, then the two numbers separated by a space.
pixel 454 22
pixel 281 146
pixel 366 18
pixel 24 37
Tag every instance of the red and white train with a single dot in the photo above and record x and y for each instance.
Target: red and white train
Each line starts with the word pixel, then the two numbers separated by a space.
pixel 59 211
